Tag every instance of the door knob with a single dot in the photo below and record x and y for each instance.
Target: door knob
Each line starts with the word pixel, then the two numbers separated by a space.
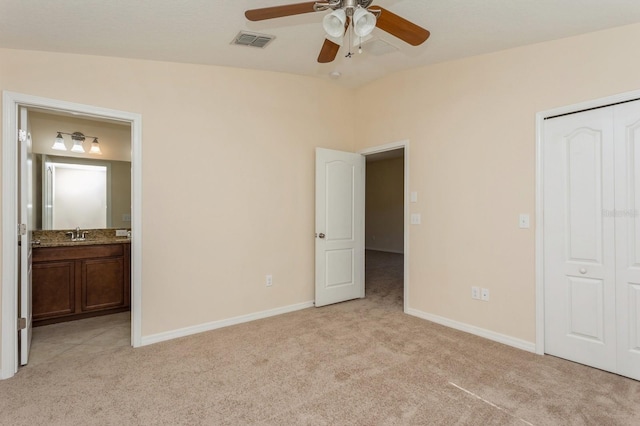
pixel 583 271
pixel 321 235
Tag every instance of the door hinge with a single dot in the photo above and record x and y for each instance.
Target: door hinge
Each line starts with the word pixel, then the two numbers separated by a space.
pixel 22 229
pixel 22 135
pixel 22 323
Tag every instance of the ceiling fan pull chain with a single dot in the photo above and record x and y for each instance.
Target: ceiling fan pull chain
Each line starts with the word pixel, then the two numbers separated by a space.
pixel 349 55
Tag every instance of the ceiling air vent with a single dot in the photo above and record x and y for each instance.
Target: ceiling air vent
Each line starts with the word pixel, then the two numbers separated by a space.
pixel 378 47
pixel 255 40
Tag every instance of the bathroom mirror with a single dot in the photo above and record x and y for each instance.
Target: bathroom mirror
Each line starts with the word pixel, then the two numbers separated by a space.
pixel 85 193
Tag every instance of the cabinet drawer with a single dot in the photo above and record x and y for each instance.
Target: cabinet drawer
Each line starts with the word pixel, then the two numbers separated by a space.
pixel 45 254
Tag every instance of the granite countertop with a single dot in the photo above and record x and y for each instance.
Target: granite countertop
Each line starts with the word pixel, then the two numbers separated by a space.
pixel 59 238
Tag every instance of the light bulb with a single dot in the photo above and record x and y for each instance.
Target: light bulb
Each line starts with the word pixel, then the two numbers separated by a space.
pixel 95 147
pixel 363 22
pixel 77 146
pixel 58 143
pixel 333 23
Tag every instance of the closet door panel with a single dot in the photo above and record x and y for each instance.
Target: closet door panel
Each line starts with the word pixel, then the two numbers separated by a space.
pixel 627 222
pixel 579 262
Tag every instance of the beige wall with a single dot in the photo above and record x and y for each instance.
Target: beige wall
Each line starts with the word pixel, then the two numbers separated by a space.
pixel 228 169
pixel 228 175
pixel 384 216
pixel 471 126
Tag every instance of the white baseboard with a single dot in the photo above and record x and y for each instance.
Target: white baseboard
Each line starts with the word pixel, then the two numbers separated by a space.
pixel 487 334
pixel 187 331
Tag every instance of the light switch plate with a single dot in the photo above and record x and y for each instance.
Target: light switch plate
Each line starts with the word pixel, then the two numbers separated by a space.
pixel 414 196
pixel 484 294
pixel 524 221
pixel 121 232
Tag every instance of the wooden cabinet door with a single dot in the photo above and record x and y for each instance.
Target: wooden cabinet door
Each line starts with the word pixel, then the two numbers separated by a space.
pixel 53 289
pixel 103 283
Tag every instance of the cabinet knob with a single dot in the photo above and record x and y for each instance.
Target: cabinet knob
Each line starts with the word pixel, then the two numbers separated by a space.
pixel 583 271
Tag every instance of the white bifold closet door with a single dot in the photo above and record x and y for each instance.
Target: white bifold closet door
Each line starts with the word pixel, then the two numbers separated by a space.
pixel 591 202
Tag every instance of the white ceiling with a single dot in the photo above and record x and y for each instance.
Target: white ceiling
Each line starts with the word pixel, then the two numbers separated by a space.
pixel 200 31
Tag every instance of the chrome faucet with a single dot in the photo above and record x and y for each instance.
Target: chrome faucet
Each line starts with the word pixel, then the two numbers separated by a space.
pixel 78 235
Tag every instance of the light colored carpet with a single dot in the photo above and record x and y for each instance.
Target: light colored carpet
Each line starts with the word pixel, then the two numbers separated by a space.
pixel 362 362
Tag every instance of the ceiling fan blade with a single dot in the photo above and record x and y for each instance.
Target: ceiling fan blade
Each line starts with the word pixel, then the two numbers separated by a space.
pixel 279 11
pixel 328 52
pixel 330 49
pixel 400 27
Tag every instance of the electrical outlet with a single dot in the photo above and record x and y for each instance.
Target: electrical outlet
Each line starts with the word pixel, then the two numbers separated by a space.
pixel 475 293
pixel 484 294
pixel 269 280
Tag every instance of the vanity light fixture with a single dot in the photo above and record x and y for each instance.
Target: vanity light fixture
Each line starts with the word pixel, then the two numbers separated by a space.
pixel 95 147
pixel 78 143
pixel 78 140
pixel 58 143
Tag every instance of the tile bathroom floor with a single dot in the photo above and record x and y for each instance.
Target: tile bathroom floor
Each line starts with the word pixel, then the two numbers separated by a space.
pixel 82 337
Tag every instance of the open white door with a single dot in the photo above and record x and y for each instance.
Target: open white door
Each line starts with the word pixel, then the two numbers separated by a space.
pixel 25 216
pixel 340 179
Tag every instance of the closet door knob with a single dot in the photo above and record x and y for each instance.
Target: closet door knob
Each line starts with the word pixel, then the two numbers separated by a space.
pixel 583 271
pixel 321 235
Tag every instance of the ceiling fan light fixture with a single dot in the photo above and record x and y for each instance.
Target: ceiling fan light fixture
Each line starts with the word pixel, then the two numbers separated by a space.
pixel 363 22
pixel 333 23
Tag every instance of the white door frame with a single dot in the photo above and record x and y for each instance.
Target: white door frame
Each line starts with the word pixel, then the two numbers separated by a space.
pixel 540 117
pixel 391 147
pixel 10 103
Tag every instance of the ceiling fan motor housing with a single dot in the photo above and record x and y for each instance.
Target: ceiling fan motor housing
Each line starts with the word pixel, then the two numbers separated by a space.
pixel 349 6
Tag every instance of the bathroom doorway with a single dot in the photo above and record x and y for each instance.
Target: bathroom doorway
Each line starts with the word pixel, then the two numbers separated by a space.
pixel 88 190
pixel 10 289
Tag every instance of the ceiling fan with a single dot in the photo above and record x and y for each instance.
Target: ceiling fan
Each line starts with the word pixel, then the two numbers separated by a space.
pixel 345 12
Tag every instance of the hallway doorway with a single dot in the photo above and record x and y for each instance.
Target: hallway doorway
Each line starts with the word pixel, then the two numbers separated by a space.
pixel 385 228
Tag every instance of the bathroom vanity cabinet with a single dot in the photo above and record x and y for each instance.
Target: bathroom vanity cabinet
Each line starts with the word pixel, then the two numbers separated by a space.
pixel 80 281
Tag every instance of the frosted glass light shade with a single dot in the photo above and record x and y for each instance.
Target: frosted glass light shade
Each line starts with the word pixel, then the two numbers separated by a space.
pixel 333 23
pixel 77 146
pixel 58 143
pixel 95 147
pixel 363 22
